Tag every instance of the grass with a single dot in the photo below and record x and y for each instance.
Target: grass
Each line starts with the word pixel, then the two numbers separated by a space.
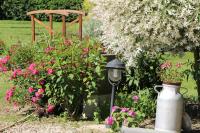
pixel 12 32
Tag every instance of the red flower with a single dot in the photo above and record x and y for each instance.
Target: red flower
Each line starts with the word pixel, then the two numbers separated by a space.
pixel 4 60
pixel 68 42
pixel 50 108
pixel 50 71
pixel 86 50
pixel 178 65
pixel 34 99
pixel 30 89
pixel 32 67
pixel 41 91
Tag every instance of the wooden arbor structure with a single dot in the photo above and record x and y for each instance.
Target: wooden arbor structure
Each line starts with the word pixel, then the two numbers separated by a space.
pixel 50 13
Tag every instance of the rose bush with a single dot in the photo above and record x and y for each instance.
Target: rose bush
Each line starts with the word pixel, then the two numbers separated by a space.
pixel 64 75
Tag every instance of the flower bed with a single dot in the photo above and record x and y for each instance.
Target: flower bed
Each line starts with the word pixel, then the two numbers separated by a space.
pixel 60 77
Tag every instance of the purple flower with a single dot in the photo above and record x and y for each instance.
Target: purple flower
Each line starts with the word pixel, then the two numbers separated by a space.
pixel 114 108
pixel 124 109
pixel 109 120
pixel 131 113
pixel 135 98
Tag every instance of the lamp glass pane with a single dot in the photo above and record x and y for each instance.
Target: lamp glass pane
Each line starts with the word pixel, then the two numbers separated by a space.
pixel 114 75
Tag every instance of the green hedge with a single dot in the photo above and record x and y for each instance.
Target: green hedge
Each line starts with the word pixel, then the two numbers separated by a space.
pixel 17 9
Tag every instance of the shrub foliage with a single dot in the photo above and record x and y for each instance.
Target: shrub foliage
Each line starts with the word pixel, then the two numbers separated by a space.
pixel 17 9
pixel 60 75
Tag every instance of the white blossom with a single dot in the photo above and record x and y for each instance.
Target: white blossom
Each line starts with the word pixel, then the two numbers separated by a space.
pixel 129 26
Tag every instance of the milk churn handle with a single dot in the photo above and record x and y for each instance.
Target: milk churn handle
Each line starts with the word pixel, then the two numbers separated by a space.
pixel 157 86
pixel 186 90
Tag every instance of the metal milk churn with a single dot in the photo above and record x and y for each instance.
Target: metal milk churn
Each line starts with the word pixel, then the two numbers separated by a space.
pixel 169 109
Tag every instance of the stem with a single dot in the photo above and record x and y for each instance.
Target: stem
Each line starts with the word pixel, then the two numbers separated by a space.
pixel 197 69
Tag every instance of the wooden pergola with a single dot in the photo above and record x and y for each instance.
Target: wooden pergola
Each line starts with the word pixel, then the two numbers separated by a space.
pixel 50 13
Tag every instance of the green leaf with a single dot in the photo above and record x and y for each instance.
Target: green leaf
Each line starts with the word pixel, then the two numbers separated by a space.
pixel 71 76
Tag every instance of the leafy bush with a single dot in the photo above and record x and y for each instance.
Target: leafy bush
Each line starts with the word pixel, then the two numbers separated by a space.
pixel 2 47
pixel 145 73
pixel 132 109
pixel 21 56
pixel 64 76
pixel 17 9
pixel 1 11
pixel 87 6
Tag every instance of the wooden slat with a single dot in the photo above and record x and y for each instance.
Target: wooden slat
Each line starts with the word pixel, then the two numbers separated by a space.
pixel 45 26
pixel 61 12
pixel 74 21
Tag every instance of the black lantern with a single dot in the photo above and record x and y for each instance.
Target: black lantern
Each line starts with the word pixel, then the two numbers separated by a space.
pixel 115 69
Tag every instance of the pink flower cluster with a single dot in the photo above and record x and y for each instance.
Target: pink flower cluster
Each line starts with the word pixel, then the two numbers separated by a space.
pixel 166 65
pixel 135 99
pixel 16 72
pixel 32 68
pixel 49 49
pixel 124 110
pixel 9 93
pixel 37 95
pixel 3 61
pixel 109 121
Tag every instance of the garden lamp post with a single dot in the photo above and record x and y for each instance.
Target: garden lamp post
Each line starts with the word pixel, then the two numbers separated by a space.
pixel 115 68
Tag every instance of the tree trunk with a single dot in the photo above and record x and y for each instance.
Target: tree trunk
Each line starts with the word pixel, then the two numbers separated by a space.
pixel 197 69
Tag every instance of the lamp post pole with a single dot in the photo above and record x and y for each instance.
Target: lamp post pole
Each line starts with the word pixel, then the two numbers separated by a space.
pixel 112 99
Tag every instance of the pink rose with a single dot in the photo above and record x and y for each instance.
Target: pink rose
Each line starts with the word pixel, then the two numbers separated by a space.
pixel 34 99
pixel 41 91
pixel 30 90
pixel 16 72
pixel 4 60
pixel 109 120
pixel 9 93
pixel 38 95
pixel 35 72
pixel 32 67
pixel 50 108
pixel 50 71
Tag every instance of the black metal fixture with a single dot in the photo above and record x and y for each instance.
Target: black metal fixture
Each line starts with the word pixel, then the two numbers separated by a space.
pixel 115 69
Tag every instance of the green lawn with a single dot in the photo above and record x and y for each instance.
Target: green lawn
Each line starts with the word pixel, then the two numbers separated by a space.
pixel 14 31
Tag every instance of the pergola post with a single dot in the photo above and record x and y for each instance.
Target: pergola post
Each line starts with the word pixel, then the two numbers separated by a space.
pixel 80 26
pixel 33 28
pixel 63 26
pixel 51 25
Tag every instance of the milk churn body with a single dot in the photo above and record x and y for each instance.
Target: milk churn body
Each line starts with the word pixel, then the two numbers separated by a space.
pixel 169 109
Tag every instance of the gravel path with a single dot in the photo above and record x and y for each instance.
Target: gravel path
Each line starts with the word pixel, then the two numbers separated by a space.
pixel 40 127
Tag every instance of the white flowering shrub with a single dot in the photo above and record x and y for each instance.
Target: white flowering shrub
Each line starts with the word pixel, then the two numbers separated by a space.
pixel 129 26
